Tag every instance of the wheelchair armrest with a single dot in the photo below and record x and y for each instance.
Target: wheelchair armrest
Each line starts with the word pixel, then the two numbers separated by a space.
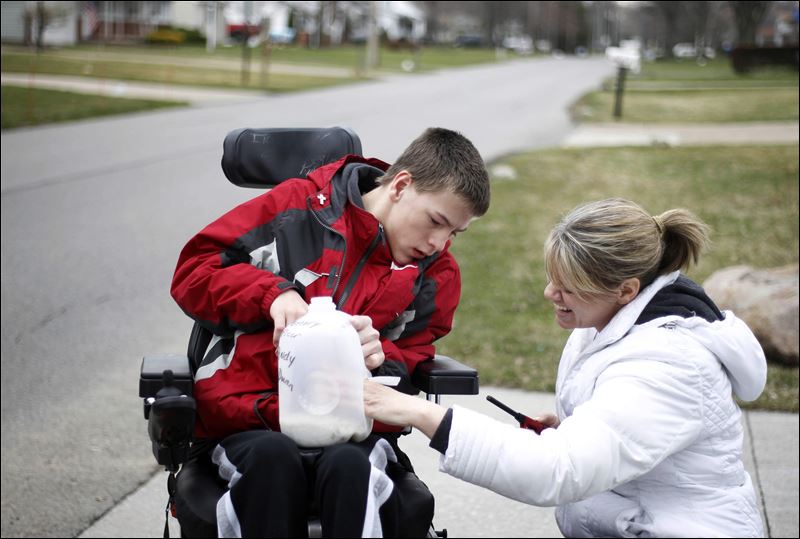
pixel 442 375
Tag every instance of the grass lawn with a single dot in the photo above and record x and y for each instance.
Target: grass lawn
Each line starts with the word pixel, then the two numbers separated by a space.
pixel 192 65
pixel 743 105
pixel 674 91
pixel 165 72
pixel 31 106
pixel 717 69
pixel 504 327
pixel 425 58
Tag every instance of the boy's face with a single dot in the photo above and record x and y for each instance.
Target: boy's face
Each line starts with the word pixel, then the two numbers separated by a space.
pixel 419 224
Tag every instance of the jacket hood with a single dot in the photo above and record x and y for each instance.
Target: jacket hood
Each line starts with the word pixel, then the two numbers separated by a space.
pixel 322 176
pixel 684 304
pixel 735 346
pixel 674 300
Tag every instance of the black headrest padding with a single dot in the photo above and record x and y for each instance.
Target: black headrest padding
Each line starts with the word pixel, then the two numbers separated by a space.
pixel 263 158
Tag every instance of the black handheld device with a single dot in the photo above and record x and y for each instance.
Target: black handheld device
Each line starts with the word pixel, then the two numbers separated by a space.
pixel 524 421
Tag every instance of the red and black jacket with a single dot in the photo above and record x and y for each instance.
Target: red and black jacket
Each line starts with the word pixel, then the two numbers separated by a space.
pixel 313 235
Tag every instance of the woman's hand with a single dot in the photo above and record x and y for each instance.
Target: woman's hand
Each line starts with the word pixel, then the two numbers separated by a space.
pixel 386 404
pixel 370 341
pixel 549 420
pixel 389 406
pixel 287 307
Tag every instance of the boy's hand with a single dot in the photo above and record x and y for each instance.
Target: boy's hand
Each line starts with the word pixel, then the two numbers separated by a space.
pixel 370 341
pixel 287 307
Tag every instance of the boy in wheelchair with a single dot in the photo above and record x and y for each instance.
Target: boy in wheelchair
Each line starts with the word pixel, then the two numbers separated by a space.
pixel 373 237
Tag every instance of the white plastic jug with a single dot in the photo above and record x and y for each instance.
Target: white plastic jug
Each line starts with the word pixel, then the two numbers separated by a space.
pixel 320 378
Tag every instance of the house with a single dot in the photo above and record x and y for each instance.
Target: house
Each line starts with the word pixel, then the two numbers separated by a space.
pixel 307 22
pixel 325 23
pixel 401 22
pixel 69 23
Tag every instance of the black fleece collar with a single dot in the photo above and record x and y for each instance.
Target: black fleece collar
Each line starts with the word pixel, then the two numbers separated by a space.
pixel 683 298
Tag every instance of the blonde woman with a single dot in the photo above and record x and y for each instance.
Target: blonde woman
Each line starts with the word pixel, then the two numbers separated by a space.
pixel 647 438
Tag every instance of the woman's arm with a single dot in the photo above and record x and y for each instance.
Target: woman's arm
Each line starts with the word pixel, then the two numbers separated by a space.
pixel 635 419
pixel 394 408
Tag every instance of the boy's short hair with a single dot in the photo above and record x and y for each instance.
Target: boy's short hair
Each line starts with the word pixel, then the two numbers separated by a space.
pixel 441 159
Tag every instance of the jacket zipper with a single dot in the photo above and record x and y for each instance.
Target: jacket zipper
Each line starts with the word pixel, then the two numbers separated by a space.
pixel 331 229
pixel 357 271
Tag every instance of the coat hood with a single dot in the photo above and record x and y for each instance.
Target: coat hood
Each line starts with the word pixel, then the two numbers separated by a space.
pixel 676 301
pixel 735 346
pixel 685 305
pixel 322 175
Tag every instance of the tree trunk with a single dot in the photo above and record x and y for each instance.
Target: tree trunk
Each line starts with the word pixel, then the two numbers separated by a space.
pixel 748 16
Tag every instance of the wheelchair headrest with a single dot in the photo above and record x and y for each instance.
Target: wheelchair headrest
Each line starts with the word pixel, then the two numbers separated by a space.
pixel 265 157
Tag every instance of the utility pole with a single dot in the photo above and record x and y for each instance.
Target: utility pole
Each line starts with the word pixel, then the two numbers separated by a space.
pixel 211 26
pixel 266 52
pixel 620 90
pixel 248 9
pixel 373 38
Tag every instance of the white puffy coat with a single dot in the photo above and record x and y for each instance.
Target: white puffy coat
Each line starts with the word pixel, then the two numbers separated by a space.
pixel 650 440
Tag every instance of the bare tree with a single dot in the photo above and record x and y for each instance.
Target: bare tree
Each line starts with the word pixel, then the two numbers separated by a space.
pixel 494 16
pixel 721 28
pixel 748 15
pixel 698 15
pixel 40 16
pixel 672 14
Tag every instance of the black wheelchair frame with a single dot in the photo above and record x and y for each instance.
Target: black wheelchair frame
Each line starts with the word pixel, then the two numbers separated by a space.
pixel 258 158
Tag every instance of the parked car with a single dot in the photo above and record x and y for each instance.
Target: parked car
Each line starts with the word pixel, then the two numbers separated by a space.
pixel 282 36
pixel 684 50
pixel 468 40
pixel 518 44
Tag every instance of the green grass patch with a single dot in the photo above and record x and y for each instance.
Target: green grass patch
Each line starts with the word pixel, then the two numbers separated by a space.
pixel 424 59
pixel 164 73
pixel 31 106
pixel 504 327
pixel 683 91
pixel 717 69
pixel 194 66
pixel 739 105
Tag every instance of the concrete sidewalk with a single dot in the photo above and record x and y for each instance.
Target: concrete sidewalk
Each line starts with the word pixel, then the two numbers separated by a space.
pixel 196 96
pixel 770 449
pixel 627 134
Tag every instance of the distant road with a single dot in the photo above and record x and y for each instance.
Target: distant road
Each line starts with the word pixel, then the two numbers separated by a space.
pixel 94 214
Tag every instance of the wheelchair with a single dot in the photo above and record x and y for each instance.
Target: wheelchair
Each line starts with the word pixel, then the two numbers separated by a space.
pixel 261 158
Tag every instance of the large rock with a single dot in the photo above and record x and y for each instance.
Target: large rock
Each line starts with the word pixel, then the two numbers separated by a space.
pixel 767 300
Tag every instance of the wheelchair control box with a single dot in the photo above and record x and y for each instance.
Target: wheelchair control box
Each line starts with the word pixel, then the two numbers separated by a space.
pixel 165 384
pixel 151 379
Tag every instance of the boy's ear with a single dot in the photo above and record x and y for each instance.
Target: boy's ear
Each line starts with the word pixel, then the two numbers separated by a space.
pixel 401 181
